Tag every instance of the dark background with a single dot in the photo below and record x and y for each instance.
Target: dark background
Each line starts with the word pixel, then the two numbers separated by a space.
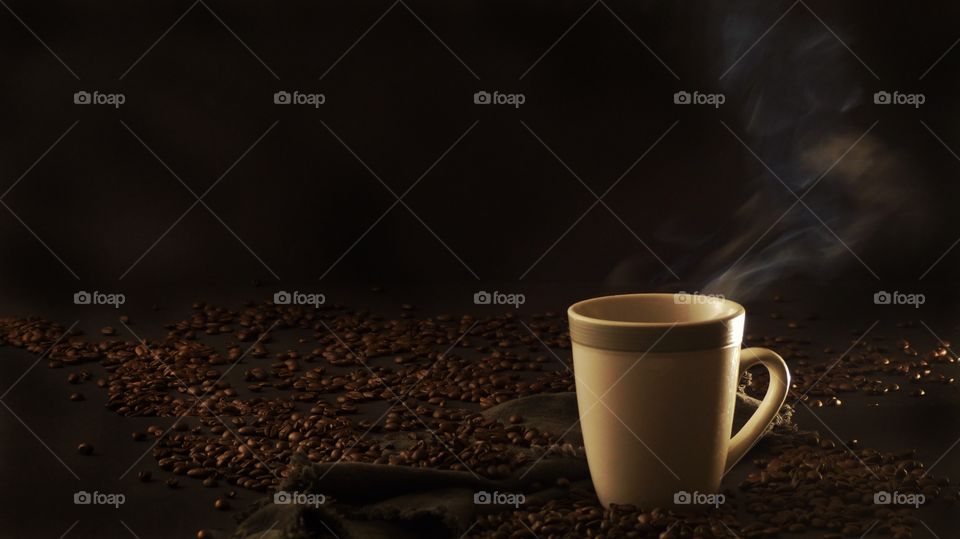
pixel 297 209
pixel 399 99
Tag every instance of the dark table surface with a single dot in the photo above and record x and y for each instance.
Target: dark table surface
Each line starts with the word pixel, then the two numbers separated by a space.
pixel 40 469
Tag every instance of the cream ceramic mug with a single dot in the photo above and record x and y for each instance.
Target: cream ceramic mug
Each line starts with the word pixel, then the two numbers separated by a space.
pixel 656 378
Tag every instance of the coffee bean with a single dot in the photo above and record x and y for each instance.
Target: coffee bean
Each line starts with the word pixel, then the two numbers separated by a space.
pixel 220 504
pixel 145 476
pixel 85 449
pixel 76 397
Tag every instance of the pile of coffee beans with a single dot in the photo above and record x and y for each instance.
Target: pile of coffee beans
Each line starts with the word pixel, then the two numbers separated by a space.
pixel 349 385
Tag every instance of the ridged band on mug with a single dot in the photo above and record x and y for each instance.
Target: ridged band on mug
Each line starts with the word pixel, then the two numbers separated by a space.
pixel 682 336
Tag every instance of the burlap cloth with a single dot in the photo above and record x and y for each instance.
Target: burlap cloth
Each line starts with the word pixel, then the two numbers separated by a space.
pixel 381 501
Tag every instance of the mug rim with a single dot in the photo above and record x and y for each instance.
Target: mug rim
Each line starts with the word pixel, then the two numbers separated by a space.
pixel 738 310
pixel 669 336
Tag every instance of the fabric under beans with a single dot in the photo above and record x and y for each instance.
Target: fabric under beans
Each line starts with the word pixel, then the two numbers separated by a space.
pixel 361 500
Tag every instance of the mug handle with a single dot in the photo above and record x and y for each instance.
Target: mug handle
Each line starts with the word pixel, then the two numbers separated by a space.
pixel 776 394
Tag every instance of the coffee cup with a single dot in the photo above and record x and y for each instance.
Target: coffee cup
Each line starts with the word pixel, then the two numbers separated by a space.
pixel 656 381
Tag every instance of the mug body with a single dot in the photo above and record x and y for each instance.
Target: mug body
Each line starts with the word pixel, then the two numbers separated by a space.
pixel 656 387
